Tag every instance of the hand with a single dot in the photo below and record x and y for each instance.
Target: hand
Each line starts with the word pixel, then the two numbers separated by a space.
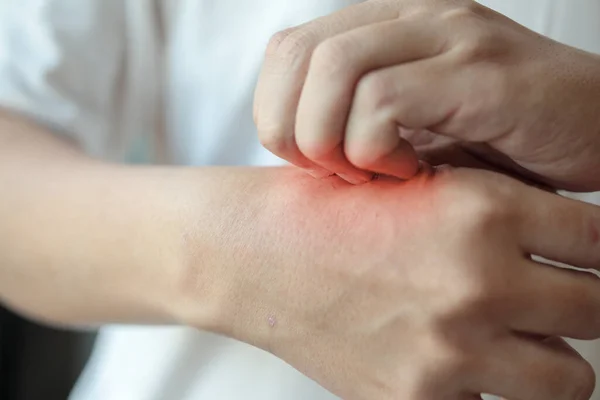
pixel 334 93
pixel 422 289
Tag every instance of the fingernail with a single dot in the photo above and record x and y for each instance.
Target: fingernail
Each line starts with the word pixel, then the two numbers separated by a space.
pixel 356 180
pixel 318 173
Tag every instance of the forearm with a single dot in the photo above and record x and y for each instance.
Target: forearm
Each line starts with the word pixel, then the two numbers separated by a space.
pixel 84 242
pixel 245 252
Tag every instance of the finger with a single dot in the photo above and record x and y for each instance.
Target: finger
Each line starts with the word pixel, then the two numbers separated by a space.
pixel 444 150
pixel 523 369
pixel 335 69
pixel 559 345
pixel 284 72
pixel 272 118
pixel 560 229
pixel 412 96
pixel 555 301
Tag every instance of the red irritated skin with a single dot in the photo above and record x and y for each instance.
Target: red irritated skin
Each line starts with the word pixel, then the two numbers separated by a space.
pixel 417 290
pixel 413 289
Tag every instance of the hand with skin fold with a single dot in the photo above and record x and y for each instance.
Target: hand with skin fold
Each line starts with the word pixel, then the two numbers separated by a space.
pixel 368 88
pixel 425 290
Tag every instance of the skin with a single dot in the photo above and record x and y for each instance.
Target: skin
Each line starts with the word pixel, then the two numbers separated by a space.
pixel 451 79
pixel 414 290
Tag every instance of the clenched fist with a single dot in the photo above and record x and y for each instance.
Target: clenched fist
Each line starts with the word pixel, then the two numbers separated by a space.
pixel 358 91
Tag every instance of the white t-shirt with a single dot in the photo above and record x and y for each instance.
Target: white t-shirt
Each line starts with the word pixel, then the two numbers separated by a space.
pixel 173 80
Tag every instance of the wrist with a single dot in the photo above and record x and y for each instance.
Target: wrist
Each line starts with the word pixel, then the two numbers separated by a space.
pixel 244 249
pixel 225 223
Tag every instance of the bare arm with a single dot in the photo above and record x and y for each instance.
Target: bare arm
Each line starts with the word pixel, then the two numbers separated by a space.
pixel 86 242
pixel 355 286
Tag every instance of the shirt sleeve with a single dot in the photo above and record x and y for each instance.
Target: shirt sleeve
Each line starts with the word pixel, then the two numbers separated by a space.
pixel 60 63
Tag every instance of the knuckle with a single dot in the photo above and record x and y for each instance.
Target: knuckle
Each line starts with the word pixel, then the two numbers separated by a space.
pixel 425 9
pixel 314 149
pixel 358 153
pixel 373 92
pixel 476 37
pixel 384 97
pixel 464 11
pixel 478 201
pixel 277 39
pixel 366 149
pixel 485 209
pixel 360 159
pixel 375 101
pixel 292 46
pixel 469 295
pixel 331 57
pixel 448 361
pixel 275 139
pixel 480 43
pixel 478 208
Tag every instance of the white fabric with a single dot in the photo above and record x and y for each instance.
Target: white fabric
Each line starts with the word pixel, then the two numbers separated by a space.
pixel 174 79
